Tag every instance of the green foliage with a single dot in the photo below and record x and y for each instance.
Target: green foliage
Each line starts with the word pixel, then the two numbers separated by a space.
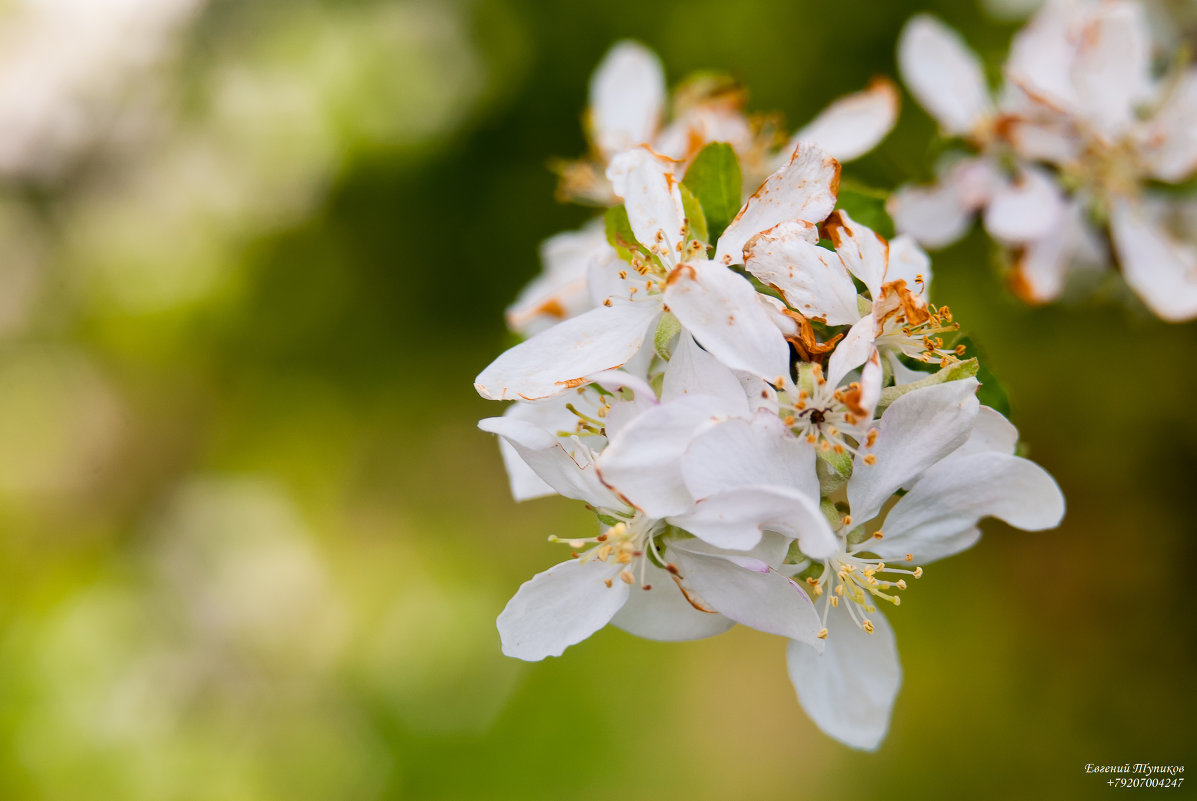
pixel 714 179
pixel 619 232
pixel 866 205
pixel 953 372
pixel 695 215
pixel 666 334
pixel 991 393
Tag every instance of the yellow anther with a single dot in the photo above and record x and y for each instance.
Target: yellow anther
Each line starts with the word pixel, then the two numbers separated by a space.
pixel 872 437
pixel 812 438
pixel 835 601
pixel 623 558
pixel 909 557
pixel 918 572
pixel 839 590
pixel 627 577
pixel 823 634
pixel 870 459
pixel 838 448
pixel 623 273
pixel 826 446
pixel 878 534
pixel 867 625
pixel 608 582
pixel 604 551
pixel 846 520
pixel 790 420
pixel 901 583
pixel 897 601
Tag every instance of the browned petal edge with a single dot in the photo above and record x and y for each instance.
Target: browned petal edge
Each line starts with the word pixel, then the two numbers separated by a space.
pixel 693 597
pixel 808 347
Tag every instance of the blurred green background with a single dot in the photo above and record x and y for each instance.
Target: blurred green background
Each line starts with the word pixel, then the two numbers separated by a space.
pixel 253 545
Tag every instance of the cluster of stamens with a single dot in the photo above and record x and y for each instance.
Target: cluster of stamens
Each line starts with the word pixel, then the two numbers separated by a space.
pixel 830 417
pixel 653 263
pixel 907 324
pixel 856 580
pixel 625 546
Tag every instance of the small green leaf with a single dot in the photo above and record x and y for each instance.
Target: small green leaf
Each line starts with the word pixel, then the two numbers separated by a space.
pixel 991 393
pixel 695 215
pixel 667 331
pixel 619 232
pixel 714 178
pixel 953 372
pixel 833 470
pixel 867 206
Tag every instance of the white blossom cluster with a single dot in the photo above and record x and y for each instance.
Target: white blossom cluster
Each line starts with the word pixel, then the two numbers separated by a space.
pixel 757 399
pixel 1084 159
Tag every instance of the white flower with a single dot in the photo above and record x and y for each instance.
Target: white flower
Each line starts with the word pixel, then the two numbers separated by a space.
pixel 1078 135
pixel 628 104
pixel 714 587
pixel 719 307
pixel 895 317
pixel 954 458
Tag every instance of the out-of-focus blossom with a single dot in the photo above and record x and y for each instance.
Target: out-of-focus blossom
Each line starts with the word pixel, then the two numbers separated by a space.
pixel 1078 143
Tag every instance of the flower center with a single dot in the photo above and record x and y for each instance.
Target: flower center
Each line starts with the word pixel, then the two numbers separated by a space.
pixel 858 582
pixel 831 417
pixel 624 546
pixel 909 325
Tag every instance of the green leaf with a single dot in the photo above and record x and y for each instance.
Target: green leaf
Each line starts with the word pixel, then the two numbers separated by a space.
pixel 991 393
pixel 667 331
pixel 953 372
pixel 619 232
pixel 695 215
pixel 714 178
pixel 866 205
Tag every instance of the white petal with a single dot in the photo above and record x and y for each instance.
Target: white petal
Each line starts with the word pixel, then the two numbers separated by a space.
pixel 849 689
pixel 745 453
pixel 863 251
pixel 943 74
pixel 561 291
pixel 1160 269
pixel 853 350
pixel 1029 207
pixel 651 194
pixel 1170 139
pixel 812 279
pixel 955 494
pixel 701 125
pixel 759 598
pixel 992 433
pixel 644 463
pixel 853 125
pixel 554 360
pixel 549 416
pixel 910 263
pixel 804 189
pixel 693 371
pixel 663 613
pixel 1041 57
pixel 560 607
pixel 736 518
pixel 1112 67
pixel 918 430
pixel 1043 265
pixel 627 98
pixel 565 465
pixel 720 308
pixel 934 215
